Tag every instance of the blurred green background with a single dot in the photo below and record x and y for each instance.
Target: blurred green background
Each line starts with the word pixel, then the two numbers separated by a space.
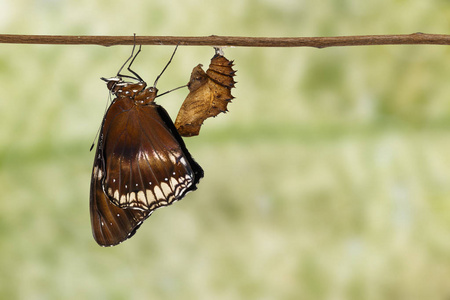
pixel 328 179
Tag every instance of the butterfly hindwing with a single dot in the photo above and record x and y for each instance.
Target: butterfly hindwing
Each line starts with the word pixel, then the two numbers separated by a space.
pixel 110 223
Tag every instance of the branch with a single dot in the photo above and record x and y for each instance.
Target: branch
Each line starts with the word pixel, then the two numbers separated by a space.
pixel 213 40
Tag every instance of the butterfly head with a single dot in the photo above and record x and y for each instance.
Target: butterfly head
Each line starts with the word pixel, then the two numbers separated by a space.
pixel 113 82
pixel 136 91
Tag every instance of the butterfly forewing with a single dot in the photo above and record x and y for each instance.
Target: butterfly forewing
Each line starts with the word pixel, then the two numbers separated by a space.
pixel 141 164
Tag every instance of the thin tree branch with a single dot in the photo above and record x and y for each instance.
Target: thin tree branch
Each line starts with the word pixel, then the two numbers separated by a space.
pixel 213 40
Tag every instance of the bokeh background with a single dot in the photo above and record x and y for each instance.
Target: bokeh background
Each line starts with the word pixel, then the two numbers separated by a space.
pixel 328 179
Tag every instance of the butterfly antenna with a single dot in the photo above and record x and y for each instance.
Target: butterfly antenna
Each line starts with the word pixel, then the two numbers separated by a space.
pixel 168 63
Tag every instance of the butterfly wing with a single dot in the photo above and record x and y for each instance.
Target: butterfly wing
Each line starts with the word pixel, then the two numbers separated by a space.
pixel 110 224
pixel 141 164
pixel 146 162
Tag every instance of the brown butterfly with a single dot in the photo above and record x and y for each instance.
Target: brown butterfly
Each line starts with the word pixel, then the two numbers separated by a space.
pixel 141 162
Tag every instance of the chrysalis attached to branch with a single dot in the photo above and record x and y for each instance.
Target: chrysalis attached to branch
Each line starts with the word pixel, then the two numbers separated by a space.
pixel 209 94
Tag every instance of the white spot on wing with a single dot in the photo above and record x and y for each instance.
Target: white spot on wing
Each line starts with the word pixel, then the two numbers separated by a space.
pixel 98 172
pixel 173 159
pixel 183 161
pixel 132 197
pixel 158 193
pixel 189 179
pixel 173 182
pixel 141 197
pixel 166 189
pixel 150 195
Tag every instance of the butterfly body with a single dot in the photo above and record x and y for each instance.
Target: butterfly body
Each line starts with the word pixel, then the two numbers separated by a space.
pixel 141 163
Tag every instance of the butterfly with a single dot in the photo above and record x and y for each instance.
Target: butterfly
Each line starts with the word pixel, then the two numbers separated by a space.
pixel 141 162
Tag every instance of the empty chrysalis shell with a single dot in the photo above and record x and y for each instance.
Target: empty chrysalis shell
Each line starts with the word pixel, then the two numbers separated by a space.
pixel 209 94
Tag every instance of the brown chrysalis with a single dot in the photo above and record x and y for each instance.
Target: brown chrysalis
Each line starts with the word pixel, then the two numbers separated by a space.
pixel 209 94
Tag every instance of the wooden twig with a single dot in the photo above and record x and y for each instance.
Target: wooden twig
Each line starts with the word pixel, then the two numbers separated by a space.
pixel 317 42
